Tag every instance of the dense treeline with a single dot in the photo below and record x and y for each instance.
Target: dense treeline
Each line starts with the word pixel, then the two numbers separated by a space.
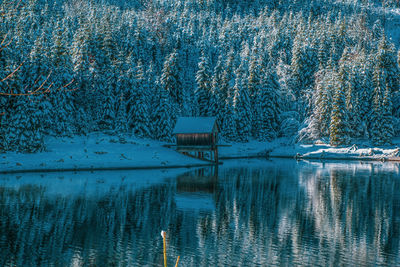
pixel 304 69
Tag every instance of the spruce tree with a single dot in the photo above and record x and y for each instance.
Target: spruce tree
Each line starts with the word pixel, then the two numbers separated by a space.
pixel 62 115
pixel 226 88
pixel 229 126
pixel 325 88
pixel 83 98
pixel 217 99
pixel 339 129
pixel 254 84
pixel 386 81
pixel 203 89
pixel 163 117
pixel 139 108
pixel 24 130
pixel 353 104
pixel 269 102
pixel 241 104
pixel 170 79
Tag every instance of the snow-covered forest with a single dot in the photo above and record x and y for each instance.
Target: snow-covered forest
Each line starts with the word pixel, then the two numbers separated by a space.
pixel 311 69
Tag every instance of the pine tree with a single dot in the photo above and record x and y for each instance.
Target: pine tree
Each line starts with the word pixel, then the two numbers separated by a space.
pixel 38 74
pixel 203 89
pixel 269 102
pixel 325 88
pixel 228 77
pixel 217 100
pixel 366 94
pixel 83 98
pixel 170 78
pixel 4 100
pixel 386 81
pixel 24 130
pixel 387 122
pixel 353 104
pixel 121 117
pixel 226 89
pixel 229 126
pixel 254 84
pixel 303 66
pixel 139 110
pixel 241 104
pixel 62 114
pixel 339 129
pixel 163 117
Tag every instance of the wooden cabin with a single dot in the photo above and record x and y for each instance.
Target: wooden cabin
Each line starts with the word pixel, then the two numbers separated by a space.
pixel 197 135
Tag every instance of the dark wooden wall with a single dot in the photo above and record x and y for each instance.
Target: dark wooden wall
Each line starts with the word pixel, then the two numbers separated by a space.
pixel 204 139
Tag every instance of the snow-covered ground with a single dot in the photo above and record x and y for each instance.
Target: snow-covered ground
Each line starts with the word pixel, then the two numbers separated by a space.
pixel 101 151
pixel 281 147
pixel 97 151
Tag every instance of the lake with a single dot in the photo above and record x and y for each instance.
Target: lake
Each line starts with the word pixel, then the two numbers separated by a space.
pixel 245 213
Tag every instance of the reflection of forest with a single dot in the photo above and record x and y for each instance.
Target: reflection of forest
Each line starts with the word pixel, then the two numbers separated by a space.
pixel 263 215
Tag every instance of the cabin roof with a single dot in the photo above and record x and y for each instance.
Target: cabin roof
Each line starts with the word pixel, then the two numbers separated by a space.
pixel 192 125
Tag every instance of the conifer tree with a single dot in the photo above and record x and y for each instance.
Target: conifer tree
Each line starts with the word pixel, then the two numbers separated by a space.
pixel 241 104
pixel 269 100
pixel 84 96
pixel 228 77
pixel 218 102
pixel 353 104
pixel 339 129
pixel 366 94
pixel 170 79
pixel 4 100
pixel 62 119
pixel 163 117
pixel 386 81
pixel 229 126
pixel 226 89
pixel 325 88
pixel 24 130
pixel 303 66
pixel 139 110
pixel 203 90
pixel 254 84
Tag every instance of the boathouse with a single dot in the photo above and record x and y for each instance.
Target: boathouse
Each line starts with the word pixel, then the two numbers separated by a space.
pixel 197 135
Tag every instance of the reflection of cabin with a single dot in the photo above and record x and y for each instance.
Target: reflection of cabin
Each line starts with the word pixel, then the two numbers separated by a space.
pixel 195 190
pixel 197 135
pixel 201 180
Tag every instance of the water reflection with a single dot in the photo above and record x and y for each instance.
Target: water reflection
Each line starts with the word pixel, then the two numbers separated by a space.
pixel 246 213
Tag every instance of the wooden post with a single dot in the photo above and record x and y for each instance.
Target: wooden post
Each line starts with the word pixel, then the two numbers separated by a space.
pixel 216 154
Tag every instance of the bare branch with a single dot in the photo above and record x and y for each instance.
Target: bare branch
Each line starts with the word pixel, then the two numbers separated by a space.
pixel 12 73
pixel 4 39
pixel 26 87
pixel 45 81
pixel 2 45
pixel 68 84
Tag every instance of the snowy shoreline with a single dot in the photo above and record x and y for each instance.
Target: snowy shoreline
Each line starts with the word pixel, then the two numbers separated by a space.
pixel 282 148
pixel 99 151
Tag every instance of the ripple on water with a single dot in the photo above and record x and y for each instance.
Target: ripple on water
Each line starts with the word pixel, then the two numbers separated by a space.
pixel 263 213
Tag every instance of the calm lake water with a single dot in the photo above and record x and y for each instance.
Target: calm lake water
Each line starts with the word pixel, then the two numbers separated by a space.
pixel 246 213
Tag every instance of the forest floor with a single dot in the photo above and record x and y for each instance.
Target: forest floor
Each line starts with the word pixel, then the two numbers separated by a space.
pixel 99 151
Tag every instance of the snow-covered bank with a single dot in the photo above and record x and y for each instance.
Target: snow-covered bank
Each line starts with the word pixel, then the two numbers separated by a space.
pixel 103 152
pixel 280 148
pixel 97 152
